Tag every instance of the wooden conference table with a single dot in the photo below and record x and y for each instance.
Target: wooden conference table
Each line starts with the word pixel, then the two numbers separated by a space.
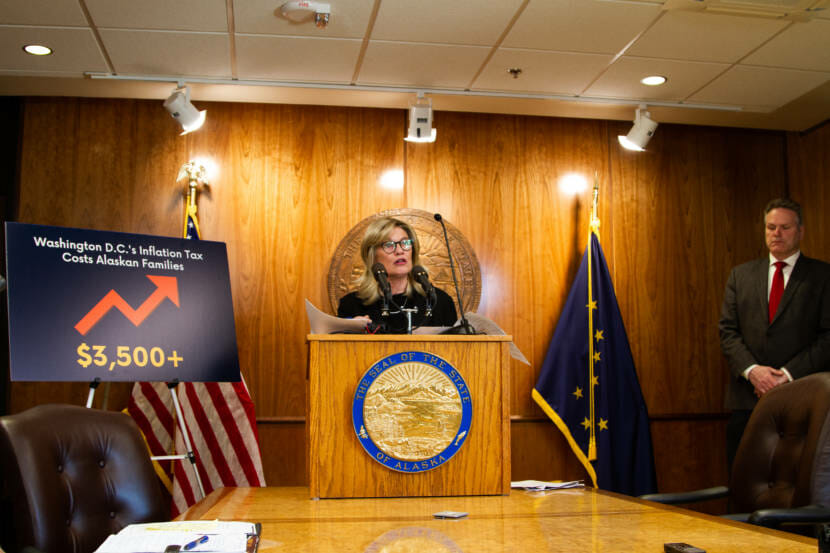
pixel 575 520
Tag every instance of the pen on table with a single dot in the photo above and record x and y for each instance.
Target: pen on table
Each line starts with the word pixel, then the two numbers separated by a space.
pixel 194 543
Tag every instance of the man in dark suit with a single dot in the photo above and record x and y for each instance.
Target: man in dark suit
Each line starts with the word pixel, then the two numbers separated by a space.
pixel 775 319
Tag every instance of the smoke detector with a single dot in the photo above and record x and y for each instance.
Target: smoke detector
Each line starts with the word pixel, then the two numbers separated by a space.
pixel 300 11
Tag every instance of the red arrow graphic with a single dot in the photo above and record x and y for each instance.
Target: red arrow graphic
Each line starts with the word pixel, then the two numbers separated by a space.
pixel 166 287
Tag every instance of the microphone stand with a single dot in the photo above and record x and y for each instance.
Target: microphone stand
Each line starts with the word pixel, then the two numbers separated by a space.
pixel 408 311
pixel 464 327
pixel 379 272
pixel 422 278
pixel 384 304
pixel 431 301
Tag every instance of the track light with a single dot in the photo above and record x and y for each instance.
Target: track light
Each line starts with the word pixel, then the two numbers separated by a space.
pixel 179 106
pixel 641 132
pixel 420 121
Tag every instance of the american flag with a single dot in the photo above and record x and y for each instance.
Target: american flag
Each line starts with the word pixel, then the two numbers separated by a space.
pixel 220 422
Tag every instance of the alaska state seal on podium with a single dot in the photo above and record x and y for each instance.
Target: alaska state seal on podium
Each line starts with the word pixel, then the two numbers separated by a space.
pixel 412 411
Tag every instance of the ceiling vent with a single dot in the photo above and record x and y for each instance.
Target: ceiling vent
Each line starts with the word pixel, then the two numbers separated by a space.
pixel 796 10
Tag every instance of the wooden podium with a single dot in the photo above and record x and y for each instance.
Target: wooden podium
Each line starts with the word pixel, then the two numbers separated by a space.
pixel 340 467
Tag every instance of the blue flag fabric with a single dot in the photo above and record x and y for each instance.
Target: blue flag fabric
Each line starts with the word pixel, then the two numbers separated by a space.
pixel 191 224
pixel 589 388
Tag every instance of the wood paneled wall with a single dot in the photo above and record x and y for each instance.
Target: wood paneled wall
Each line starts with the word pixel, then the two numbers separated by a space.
pixel 294 179
pixel 809 170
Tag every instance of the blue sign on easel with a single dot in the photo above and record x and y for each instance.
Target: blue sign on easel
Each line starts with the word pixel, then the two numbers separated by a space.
pixel 87 305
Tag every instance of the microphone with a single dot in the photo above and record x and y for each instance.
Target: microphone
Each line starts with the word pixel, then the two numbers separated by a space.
pixel 465 327
pixel 379 272
pixel 421 276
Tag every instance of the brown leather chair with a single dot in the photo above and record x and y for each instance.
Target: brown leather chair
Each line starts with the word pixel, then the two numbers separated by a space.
pixel 72 476
pixel 783 459
pixel 781 472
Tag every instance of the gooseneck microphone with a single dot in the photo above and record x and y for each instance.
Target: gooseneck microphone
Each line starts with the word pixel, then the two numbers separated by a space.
pixel 382 278
pixel 422 278
pixel 465 327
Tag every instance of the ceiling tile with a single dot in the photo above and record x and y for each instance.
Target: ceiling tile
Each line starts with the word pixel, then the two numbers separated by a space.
pixel 542 72
pixel 696 36
pixel 438 21
pixel 761 88
pixel 349 19
pixel 168 53
pixel 42 13
pixel 420 65
pixel 179 15
pixel 801 46
pixel 622 80
pixel 435 44
pixel 297 59
pixel 74 51
pixel 580 25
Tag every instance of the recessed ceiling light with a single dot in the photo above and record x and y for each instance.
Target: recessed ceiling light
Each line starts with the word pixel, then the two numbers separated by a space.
pixel 653 80
pixel 37 49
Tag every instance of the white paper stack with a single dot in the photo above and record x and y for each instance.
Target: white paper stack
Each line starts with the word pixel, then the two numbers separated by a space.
pixel 191 536
pixel 538 485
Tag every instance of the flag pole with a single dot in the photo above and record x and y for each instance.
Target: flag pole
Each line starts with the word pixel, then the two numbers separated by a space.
pixel 594 207
pixel 592 382
pixel 196 175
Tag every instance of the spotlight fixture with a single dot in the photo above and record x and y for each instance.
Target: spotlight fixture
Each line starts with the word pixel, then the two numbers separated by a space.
pixel 420 121
pixel 37 49
pixel 179 106
pixel 300 11
pixel 640 133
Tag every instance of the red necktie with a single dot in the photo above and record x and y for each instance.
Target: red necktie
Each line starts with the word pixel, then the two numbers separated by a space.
pixel 777 289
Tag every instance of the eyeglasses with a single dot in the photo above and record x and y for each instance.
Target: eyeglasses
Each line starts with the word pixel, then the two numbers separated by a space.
pixel 390 247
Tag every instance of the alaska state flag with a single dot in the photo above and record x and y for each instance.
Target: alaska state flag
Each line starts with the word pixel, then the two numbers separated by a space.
pixel 589 388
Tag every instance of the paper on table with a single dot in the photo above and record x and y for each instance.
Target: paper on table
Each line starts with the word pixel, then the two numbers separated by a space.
pixel 538 485
pixel 196 526
pixel 158 541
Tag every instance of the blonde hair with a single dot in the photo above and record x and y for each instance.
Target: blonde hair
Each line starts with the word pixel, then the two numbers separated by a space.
pixel 376 234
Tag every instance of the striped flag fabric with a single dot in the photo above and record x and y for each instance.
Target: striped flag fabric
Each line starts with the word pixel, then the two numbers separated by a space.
pixel 221 426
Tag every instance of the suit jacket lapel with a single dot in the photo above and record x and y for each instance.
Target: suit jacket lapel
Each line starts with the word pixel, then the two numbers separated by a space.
pixel 759 279
pixel 796 278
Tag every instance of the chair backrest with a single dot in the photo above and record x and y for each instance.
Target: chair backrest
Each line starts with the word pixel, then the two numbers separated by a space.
pixel 72 476
pixel 783 459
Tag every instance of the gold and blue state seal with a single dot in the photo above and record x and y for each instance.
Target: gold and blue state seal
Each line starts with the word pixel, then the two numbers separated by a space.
pixel 412 411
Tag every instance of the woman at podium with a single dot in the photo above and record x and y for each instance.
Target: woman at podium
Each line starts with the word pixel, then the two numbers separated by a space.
pixel 393 293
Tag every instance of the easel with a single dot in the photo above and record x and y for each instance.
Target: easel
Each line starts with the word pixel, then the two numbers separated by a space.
pixel 196 175
pixel 182 426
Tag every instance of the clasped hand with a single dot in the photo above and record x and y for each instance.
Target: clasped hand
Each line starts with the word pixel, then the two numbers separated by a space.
pixel 766 378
